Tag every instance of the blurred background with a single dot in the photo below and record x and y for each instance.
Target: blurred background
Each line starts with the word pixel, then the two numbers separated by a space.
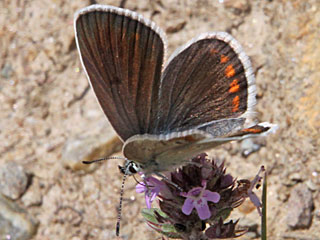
pixel 50 120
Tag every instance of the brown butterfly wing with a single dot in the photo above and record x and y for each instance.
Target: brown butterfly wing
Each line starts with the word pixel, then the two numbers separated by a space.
pixel 207 80
pixel 122 54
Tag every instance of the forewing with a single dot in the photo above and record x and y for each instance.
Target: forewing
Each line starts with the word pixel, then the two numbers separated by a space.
pixel 122 54
pixel 208 79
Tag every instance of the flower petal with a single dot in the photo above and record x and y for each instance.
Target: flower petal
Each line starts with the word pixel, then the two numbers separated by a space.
pixel 188 206
pixel 194 192
pixel 140 188
pixel 153 195
pixel 154 181
pixel 211 196
pixel 255 200
pixel 202 208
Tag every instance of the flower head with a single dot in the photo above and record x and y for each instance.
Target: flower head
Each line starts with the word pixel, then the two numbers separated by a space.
pixel 198 198
pixel 207 189
pixel 151 186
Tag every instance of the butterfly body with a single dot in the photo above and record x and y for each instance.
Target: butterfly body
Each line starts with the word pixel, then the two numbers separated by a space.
pixel 165 114
pixel 159 153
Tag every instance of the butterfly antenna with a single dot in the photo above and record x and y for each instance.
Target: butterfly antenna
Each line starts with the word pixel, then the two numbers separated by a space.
pixel 120 203
pixel 102 159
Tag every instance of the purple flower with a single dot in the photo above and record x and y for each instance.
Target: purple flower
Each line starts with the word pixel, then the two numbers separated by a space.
pixel 151 187
pixel 252 196
pixel 198 198
pixel 203 181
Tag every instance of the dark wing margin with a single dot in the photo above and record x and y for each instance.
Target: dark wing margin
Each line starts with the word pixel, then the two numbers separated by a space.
pixel 207 80
pixel 122 54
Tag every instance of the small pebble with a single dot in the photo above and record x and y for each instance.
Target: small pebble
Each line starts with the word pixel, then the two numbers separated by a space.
pixel 15 222
pixel 311 186
pixel 33 196
pixel 300 205
pixel 13 180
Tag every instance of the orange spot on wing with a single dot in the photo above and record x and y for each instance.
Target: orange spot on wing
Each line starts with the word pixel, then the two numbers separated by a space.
pixel 224 59
pixel 252 130
pixel 230 72
pixel 235 103
pixel 234 86
pixel 256 129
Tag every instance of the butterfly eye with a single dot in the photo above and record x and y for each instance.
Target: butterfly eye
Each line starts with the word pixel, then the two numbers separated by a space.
pixel 132 169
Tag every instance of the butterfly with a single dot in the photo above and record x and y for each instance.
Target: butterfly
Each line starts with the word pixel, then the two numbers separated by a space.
pixel 166 112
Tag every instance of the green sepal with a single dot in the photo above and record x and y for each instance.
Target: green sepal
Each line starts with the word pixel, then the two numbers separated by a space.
pixel 166 229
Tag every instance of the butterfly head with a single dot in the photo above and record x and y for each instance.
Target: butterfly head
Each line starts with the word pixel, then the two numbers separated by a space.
pixel 130 168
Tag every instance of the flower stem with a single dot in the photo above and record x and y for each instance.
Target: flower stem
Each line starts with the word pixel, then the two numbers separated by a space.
pixel 264 209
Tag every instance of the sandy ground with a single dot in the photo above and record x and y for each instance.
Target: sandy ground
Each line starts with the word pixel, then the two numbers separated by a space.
pixel 46 111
